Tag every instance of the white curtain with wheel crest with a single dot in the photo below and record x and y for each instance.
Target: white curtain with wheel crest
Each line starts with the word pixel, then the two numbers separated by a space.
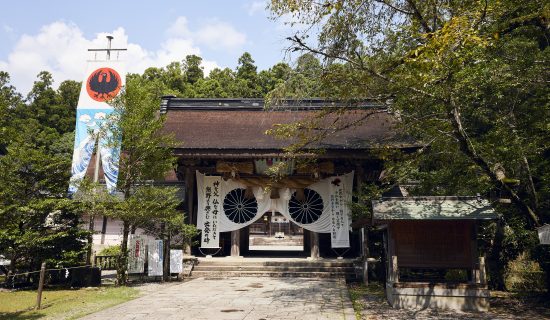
pixel 224 206
pixel 324 208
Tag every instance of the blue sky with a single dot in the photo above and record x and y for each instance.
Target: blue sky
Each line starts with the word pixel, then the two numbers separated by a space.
pixel 54 35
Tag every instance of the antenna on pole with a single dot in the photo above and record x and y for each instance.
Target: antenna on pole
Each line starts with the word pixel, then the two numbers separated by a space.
pixel 109 48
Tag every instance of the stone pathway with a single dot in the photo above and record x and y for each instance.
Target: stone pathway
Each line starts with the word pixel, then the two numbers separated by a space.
pixel 240 298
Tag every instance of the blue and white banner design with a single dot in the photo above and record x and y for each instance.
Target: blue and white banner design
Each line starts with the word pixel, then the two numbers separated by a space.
pixel 102 83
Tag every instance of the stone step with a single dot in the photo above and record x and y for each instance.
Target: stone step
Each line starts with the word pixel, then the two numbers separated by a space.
pixel 279 274
pixel 303 263
pixel 292 268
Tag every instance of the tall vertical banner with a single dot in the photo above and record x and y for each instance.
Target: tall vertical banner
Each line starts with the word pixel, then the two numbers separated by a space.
pixel 156 257
pixel 136 254
pixel 102 82
pixel 340 197
pixel 209 208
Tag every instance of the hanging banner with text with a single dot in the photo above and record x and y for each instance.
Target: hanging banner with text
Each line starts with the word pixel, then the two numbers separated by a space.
pixel 154 261
pixel 340 197
pixel 322 207
pixel 227 205
pixel 209 207
pixel 102 83
pixel 136 254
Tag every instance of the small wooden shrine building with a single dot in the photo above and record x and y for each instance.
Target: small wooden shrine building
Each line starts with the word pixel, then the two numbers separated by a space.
pixel 425 238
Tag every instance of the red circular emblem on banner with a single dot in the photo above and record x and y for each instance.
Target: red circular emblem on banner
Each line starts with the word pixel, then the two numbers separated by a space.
pixel 103 84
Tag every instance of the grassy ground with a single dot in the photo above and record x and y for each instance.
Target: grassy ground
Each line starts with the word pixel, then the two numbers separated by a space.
pixel 62 303
pixel 370 303
pixel 359 291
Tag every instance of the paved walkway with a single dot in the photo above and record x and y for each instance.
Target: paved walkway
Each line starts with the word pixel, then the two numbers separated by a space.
pixel 240 298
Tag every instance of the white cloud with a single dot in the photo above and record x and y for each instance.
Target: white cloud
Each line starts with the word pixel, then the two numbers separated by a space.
pixel 213 33
pixel 85 118
pixel 61 48
pixel 254 7
pixel 220 36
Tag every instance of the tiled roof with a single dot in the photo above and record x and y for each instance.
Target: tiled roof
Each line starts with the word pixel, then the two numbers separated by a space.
pixel 234 124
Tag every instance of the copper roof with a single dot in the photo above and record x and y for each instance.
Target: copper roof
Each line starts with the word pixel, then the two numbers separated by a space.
pixel 241 124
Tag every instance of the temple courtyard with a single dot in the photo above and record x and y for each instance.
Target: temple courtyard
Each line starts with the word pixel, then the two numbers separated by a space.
pixel 293 298
pixel 239 298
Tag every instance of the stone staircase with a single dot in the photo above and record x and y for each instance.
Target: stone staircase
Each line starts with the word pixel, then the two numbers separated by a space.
pixel 274 267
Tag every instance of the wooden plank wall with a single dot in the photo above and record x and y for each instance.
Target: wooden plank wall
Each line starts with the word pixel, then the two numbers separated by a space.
pixel 433 244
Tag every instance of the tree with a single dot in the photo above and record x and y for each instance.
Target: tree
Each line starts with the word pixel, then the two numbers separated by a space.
pixel 193 69
pixel 246 77
pixel 10 99
pixel 467 79
pixel 438 64
pixel 146 155
pixel 37 222
pixel 94 201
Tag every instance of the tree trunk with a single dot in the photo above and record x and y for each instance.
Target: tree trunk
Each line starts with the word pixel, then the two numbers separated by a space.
pixel 166 261
pixel 11 271
pixel 90 240
pixel 496 265
pixel 468 149
pixel 122 266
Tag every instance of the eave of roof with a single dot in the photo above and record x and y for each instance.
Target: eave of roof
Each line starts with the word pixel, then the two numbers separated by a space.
pixel 233 127
pixel 432 208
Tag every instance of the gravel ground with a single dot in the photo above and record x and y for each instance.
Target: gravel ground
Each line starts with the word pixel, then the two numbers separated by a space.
pixel 503 306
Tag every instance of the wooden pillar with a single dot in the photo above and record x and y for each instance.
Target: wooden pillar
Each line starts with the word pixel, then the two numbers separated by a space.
pixel 394 275
pixel 479 273
pixel 190 197
pixel 365 254
pixel 314 245
pixel 189 190
pixel 236 243
pixel 103 229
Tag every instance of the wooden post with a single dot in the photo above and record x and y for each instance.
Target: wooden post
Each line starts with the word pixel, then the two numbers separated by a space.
pixel 189 192
pixel 236 243
pixel 90 239
pixel 482 276
pixel 103 229
pixel 314 245
pixel 365 254
pixel 40 285
pixel 394 269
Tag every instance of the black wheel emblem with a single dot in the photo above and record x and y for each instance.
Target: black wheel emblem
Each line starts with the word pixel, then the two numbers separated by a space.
pixel 239 209
pixel 307 211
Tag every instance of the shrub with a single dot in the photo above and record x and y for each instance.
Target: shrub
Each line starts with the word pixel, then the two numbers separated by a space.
pixel 524 275
pixel 110 251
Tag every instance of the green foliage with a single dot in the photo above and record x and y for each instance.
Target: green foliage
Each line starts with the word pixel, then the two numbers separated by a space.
pixel 37 222
pixel 110 251
pixel 467 79
pixel 189 233
pixel 147 156
pixel 524 275
pixel 186 79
